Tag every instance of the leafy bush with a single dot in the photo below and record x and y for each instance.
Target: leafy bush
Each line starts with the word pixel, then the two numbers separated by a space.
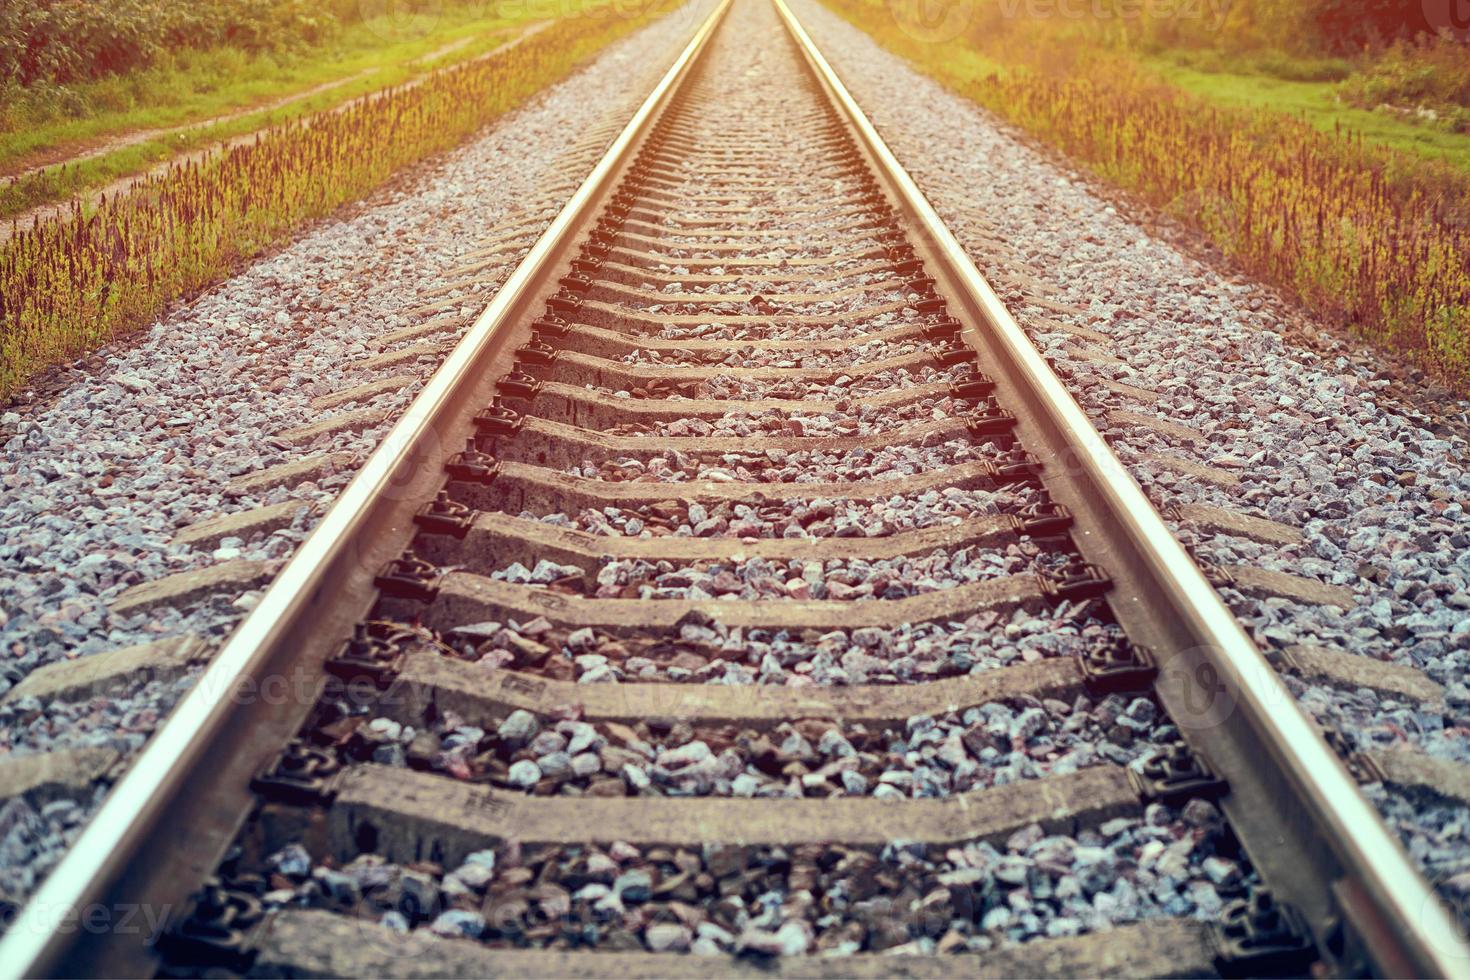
pixel 1271 64
pixel 1365 236
pixel 60 41
pixel 1432 72
pixel 1299 68
pixel 68 285
pixel 1348 26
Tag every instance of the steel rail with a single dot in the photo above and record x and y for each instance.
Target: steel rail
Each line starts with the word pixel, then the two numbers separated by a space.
pixel 140 855
pixel 1378 905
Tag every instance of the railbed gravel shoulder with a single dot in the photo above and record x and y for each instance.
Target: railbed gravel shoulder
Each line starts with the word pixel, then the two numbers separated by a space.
pixel 1380 492
pixel 95 483
pixel 927 756
pixel 815 900
pixel 709 652
pixel 825 899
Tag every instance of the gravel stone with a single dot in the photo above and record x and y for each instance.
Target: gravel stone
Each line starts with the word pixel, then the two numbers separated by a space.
pixel 95 482
pixel 1379 490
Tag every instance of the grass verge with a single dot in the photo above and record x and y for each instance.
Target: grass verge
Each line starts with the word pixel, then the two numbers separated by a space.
pixel 1372 238
pixel 69 286
pixel 126 124
pixel 1319 104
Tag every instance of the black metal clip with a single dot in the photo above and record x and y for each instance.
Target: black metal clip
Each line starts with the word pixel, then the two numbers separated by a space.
pixel 374 654
pixel 905 262
pixel 1260 937
pixel 1359 765
pixel 219 929
pixel 586 267
pixel 1017 464
pixel 303 775
pixel 550 326
pixel 891 238
pixel 1175 776
pixel 923 285
pixel 1115 664
pixel 1171 512
pixel 518 384
pixel 1216 575
pixel 575 283
pixel 445 516
pixel 409 577
pixel 538 353
pixel 947 329
pixel 472 466
pixel 989 419
pixel 598 246
pixel 972 389
pixel 1076 581
pixel 955 354
pixel 497 420
pixel 565 301
pixel 929 304
pixel 1045 519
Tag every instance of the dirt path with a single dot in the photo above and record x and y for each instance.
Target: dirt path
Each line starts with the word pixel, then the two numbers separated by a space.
pixel 58 156
pixel 56 209
pixel 440 52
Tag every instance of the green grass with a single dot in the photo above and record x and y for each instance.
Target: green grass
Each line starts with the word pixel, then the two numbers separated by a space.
pixel 1271 63
pixel 1364 218
pixel 71 284
pixel 204 84
pixel 1316 103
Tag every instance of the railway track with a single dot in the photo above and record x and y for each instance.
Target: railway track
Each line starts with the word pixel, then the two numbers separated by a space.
pixel 748 434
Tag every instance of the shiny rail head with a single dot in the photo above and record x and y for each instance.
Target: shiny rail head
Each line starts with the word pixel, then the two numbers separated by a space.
pixel 1394 909
pixel 46 928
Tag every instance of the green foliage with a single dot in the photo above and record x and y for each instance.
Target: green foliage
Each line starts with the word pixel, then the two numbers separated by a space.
pixel 67 286
pixel 1318 40
pixel 1347 26
pixel 1430 75
pixel 1368 237
pixel 61 41
pixel 1294 68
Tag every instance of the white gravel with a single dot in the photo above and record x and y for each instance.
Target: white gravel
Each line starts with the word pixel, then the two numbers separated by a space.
pixel 94 485
pixel 1382 498
pixel 1167 864
pixel 171 419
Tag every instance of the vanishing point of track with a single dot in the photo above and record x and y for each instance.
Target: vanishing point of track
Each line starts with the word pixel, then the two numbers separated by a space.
pixel 728 255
